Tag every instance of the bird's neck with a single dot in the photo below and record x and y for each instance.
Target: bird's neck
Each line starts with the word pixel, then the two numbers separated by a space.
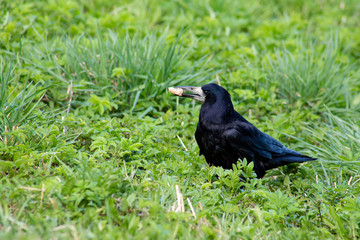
pixel 218 112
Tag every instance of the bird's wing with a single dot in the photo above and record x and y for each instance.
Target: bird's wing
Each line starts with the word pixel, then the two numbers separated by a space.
pixel 243 135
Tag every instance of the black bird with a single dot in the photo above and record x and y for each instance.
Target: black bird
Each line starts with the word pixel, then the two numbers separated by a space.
pixel 224 136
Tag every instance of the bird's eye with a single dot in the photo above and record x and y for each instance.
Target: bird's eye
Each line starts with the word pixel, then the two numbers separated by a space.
pixel 206 91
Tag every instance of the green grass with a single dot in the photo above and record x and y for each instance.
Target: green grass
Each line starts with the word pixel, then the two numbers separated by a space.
pixel 16 103
pixel 315 75
pixel 93 146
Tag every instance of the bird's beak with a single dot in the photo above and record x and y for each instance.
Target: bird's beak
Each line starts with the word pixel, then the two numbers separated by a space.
pixel 196 92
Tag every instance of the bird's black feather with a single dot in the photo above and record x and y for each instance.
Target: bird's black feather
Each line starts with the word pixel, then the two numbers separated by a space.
pixel 224 136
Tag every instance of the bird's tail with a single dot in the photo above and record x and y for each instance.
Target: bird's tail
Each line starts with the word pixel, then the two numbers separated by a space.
pixel 291 156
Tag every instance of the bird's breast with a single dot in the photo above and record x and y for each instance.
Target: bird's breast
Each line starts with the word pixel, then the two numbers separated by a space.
pixel 209 138
pixel 214 146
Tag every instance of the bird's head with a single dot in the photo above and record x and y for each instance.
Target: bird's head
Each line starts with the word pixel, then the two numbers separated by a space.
pixel 217 106
pixel 209 93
